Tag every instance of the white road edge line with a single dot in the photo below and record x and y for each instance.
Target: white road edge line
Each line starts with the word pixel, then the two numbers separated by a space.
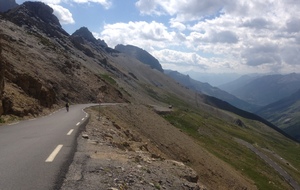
pixel 77 123
pixel 70 132
pixel 82 119
pixel 54 153
pixel 13 123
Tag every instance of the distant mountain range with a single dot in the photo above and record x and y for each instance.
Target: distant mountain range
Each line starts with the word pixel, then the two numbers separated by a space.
pixel 238 83
pixel 264 90
pixel 284 113
pixel 214 79
pixel 207 89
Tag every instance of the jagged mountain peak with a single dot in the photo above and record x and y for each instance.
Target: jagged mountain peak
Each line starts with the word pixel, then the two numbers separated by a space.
pixel 37 10
pixel 36 16
pixel 87 35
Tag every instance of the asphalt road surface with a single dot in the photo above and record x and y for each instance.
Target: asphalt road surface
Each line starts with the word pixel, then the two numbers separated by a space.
pixel 35 154
pixel 272 163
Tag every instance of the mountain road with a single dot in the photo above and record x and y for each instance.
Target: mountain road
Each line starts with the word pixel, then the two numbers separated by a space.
pixel 272 163
pixel 35 154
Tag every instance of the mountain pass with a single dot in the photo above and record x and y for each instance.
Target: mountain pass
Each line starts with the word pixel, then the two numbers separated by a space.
pixel 35 154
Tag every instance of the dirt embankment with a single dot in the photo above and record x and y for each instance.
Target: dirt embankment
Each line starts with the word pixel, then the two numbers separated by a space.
pixel 132 147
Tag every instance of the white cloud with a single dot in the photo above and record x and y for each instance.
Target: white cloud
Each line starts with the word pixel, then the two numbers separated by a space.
pixel 175 57
pixel 142 34
pixel 181 61
pixel 105 3
pixel 178 25
pixel 63 14
pixel 147 7
pixel 51 2
pixel 238 35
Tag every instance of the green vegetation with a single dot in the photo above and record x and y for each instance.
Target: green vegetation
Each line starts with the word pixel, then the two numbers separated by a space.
pixel 215 130
pixel 217 136
pixel 108 79
pixel 9 119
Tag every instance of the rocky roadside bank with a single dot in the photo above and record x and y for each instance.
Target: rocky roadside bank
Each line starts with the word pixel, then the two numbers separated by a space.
pixel 112 157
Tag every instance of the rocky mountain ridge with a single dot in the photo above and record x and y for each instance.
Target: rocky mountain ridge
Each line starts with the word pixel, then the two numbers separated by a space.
pixel 36 16
pixel 140 55
pixel 207 89
pixel 44 66
pixel 1 80
pixel 267 89
pixel 86 34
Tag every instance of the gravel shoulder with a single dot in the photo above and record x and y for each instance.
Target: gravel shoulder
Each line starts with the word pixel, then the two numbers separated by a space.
pixel 133 147
pixel 111 156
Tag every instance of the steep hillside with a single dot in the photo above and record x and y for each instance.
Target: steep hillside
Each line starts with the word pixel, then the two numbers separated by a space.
pixel 207 89
pixel 268 89
pixel 45 66
pixel 140 55
pixel 1 79
pixel 285 114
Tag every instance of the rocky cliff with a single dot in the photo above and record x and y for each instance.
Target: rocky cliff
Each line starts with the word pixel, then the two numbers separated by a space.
pixel 38 17
pixel 1 79
pixel 43 66
pixel 86 34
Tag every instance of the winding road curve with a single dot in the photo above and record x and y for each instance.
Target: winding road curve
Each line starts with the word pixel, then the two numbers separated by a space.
pixel 35 154
pixel 273 164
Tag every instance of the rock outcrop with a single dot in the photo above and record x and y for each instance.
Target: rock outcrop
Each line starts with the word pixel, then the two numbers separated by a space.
pixel 6 5
pixel 44 66
pixel 1 80
pixel 141 55
pixel 86 34
pixel 37 16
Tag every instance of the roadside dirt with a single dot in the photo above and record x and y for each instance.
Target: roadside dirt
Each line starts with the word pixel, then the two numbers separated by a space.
pixel 132 147
pixel 112 156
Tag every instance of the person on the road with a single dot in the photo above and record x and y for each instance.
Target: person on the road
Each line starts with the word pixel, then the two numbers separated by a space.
pixel 67 106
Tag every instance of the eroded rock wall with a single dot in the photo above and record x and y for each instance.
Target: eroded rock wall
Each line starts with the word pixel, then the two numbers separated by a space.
pixel 1 80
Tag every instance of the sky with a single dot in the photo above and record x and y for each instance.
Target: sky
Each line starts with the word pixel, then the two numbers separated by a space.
pixel 209 36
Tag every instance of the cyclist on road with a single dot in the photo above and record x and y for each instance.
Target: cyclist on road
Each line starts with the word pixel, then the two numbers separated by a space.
pixel 67 106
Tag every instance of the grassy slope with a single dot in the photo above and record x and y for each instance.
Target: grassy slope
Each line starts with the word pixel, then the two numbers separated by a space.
pixel 216 135
pixel 285 114
pixel 215 131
